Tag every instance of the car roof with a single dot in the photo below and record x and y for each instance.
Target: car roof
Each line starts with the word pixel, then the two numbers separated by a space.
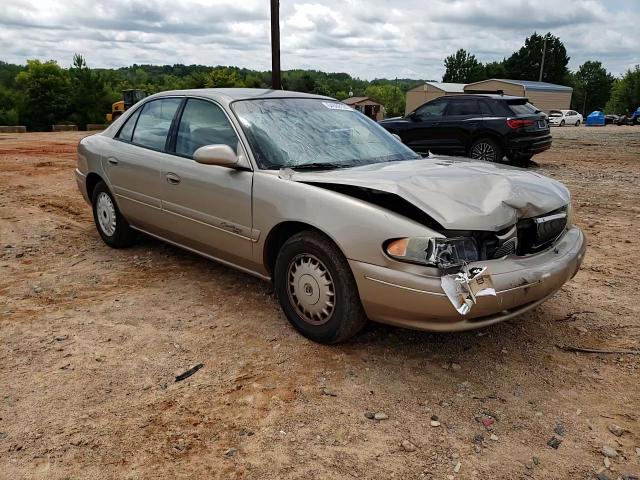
pixel 229 95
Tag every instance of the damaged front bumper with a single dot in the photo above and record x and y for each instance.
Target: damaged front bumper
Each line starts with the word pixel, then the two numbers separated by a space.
pixel 417 301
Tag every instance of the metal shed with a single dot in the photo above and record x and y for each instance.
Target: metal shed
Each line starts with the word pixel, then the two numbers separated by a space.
pixel 429 91
pixel 545 96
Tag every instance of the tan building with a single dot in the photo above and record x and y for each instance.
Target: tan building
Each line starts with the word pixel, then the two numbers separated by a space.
pixel 545 96
pixel 430 91
pixel 366 105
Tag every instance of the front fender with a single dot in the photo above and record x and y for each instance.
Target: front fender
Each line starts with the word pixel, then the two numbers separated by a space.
pixel 357 227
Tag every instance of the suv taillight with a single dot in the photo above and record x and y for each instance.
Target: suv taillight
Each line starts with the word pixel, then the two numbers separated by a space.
pixel 518 123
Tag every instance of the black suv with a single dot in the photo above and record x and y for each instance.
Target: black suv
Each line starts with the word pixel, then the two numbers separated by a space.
pixel 481 126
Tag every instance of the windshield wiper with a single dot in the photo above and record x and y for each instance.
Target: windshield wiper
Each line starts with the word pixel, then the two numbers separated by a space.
pixel 318 166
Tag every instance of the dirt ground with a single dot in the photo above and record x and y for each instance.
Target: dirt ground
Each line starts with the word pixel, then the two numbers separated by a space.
pixel 91 339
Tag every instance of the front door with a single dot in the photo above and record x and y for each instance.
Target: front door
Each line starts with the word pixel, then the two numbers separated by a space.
pixel 424 131
pixel 208 206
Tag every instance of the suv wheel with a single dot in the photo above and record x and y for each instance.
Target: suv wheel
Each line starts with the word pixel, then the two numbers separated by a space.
pixel 486 149
pixel 111 225
pixel 316 289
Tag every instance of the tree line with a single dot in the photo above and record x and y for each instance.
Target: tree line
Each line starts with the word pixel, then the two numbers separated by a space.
pixel 593 87
pixel 40 94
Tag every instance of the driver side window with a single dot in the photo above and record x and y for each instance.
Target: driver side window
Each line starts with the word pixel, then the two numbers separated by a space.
pixel 431 109
pixel 203 123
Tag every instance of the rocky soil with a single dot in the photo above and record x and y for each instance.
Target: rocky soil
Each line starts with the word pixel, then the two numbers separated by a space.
pixel 91 340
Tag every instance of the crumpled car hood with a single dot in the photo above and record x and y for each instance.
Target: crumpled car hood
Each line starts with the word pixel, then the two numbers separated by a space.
pixel 458 193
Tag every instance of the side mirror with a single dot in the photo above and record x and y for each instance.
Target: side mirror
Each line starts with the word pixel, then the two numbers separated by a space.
pixel 397 137
pixel 412 116
pixel 221 155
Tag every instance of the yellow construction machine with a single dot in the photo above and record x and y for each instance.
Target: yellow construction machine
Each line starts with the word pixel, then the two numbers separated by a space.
pixel 129 98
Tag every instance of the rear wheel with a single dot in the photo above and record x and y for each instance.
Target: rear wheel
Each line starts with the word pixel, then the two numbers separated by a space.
pixel 111 225
pixel 316 289
pixel 486 149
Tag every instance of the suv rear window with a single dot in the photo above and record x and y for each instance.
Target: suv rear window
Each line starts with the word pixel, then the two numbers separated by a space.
pixel 520 108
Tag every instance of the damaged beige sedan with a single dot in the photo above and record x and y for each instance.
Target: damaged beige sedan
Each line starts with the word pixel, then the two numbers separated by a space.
pixel 347 222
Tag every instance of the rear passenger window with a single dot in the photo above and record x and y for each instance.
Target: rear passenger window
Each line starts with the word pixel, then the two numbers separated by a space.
pixel 154 123
pixel 127 129
pixel 464 107
pixel 203 123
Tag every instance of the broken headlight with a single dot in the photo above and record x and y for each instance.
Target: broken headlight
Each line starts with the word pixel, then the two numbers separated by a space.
pixel 438 252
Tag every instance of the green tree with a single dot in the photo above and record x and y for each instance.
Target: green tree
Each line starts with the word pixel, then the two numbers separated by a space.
pixel 495 70
pixel 89 98
pixel 9 101
pixel 390 96
pixel 46 89
pixel 591 87
pixel 625 93
pixel 223 78
pixel 525 63
pixel 462 67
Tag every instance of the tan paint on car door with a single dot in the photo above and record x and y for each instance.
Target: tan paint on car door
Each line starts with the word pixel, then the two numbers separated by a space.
pixel 134 163
pixel 209 206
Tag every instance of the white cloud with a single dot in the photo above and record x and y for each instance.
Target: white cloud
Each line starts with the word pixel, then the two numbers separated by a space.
pixel 367 38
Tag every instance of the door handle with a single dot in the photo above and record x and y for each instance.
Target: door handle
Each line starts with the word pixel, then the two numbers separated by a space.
pixel 112 160
pixel 172 178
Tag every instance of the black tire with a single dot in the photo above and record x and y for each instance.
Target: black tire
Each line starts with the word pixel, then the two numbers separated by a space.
pixel 346 316
pixel 486 149
pixel 577 123
pixel 562 123
pixel 111 225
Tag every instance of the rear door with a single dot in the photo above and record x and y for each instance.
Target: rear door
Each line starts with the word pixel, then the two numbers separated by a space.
pixel 134 165
pixel 423 133
pixel 209 207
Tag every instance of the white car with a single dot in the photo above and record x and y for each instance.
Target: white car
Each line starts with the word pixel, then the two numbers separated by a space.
pixel 560 118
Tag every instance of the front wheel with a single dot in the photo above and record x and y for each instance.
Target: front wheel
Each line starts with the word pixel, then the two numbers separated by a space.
pixel 578 123
pixel 316 289
pixel 111 225
pixel 486 149
pixel 562 123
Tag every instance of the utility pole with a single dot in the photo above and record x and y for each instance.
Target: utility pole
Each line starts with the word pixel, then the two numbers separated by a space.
pixel 544 52
pixel 276 82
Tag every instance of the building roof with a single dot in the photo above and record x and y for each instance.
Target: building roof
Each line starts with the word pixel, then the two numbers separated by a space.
pixel 357 100
pixel 448 87
pixel 442 86
pixel 530 85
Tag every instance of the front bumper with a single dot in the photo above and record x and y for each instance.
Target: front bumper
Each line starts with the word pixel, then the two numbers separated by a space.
pixel 414 301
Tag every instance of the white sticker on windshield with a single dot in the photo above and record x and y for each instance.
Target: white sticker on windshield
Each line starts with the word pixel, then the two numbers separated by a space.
pixel 337 106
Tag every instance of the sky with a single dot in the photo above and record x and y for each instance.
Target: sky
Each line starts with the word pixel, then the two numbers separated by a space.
pixel 365 38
